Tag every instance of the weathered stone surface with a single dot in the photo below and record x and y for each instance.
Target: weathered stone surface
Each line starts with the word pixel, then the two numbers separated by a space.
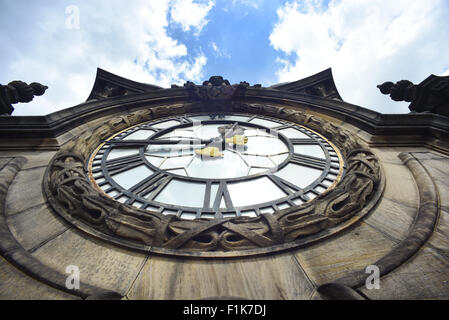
pixel 325 117
pixel 274 277
pixel 15 285
pixel 350 251
pixel 364 136
pixel 84 128
pixel 35 226
pixel 34 158
pixel 100 264
pixel 316 296
pixel 37 159
pixel 391 154
pixel 75 132
pixel 424 155
pixel 440 237
pixel 422 277
pixel 392 218
pixel 420 232
pixel 438 168
pixel 26 191
pixel 3 162
pixel 338 291
pixel 400 185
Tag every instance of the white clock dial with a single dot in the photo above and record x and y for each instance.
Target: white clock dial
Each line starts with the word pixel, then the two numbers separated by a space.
pixel 201 166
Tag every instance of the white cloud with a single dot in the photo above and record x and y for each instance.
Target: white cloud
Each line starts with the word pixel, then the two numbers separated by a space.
pixel 190 14
pixel 365 42
pixel 128 38
pixel 250 3
pixel 219 52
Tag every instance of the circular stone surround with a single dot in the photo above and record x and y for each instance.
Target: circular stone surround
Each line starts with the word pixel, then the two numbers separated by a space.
pixel 72 195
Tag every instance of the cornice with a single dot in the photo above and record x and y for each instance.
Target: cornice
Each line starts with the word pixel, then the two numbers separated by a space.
pixel 424 125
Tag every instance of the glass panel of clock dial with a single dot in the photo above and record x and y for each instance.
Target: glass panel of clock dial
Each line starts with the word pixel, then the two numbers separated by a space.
pixel 262 176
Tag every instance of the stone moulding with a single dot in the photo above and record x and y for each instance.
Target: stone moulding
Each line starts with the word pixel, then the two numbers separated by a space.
pixel 13 252
pixel 423 226
pixel 71 194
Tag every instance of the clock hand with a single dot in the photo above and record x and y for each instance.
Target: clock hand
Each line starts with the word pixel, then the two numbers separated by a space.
pixel 226 132
pixel 227 135
pixel 237 140
pixel 209 152
pixel 139 143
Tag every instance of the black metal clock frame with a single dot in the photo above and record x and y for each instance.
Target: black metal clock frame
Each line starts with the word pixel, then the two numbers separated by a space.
pixel 154 184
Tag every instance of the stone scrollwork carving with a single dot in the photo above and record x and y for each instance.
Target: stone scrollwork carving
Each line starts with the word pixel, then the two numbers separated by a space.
pixel 72 195
pixel 216 92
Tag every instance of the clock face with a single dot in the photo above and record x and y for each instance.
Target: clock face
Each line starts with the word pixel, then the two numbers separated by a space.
pixel 200 166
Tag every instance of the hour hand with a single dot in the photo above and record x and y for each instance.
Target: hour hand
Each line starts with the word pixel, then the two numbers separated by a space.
pixel 237 140
pixel 209 152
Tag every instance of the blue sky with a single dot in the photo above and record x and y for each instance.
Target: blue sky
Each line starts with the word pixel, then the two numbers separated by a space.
pixel 366 42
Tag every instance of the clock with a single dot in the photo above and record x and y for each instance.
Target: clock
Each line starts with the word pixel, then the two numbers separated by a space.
pixel 215 166
pixel 212 170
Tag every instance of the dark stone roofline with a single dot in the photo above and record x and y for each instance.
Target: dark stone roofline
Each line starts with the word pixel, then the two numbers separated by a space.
pixel 400 126
pixel 55 124
pixel 320 84
pixel 108 84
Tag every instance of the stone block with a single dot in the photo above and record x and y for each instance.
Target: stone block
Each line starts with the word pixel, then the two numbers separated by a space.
pixel 25 191
pixel 38 159
pixel 400 185
pixel 274 277
pixel 392 218
pixel 349 251
pixel 440 237
pixel 438 168
pixel 15 285
pixel 100 264
pixel 390 154
pixel 3 162
pixel 424 276
pixel 35 226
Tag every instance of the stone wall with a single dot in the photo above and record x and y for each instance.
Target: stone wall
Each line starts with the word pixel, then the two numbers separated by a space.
pixel 399 235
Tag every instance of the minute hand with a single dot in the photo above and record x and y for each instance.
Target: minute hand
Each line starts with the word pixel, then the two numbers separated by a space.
pixel 220 141
pixel 138 143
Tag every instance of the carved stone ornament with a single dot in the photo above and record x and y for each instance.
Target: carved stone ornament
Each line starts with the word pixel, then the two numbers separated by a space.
pixel 18 91
pixel 216 92
pixel 71 194
pixel 431 95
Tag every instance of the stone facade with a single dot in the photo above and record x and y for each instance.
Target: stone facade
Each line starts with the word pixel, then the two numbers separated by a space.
pixel 404 233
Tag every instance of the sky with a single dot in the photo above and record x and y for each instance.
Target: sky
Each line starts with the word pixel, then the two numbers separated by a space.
pixel 163 42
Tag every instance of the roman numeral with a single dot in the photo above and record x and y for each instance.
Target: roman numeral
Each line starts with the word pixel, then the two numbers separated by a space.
pixel 122 164
pixel 184 120
pixel 151 186
pixel 206 203
pixel 222 193
pixel 309 161
pixel 149 127
pixel 288 187
pixel 303 141
pixel 281 127
pixel 111 189
pixel 252 118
